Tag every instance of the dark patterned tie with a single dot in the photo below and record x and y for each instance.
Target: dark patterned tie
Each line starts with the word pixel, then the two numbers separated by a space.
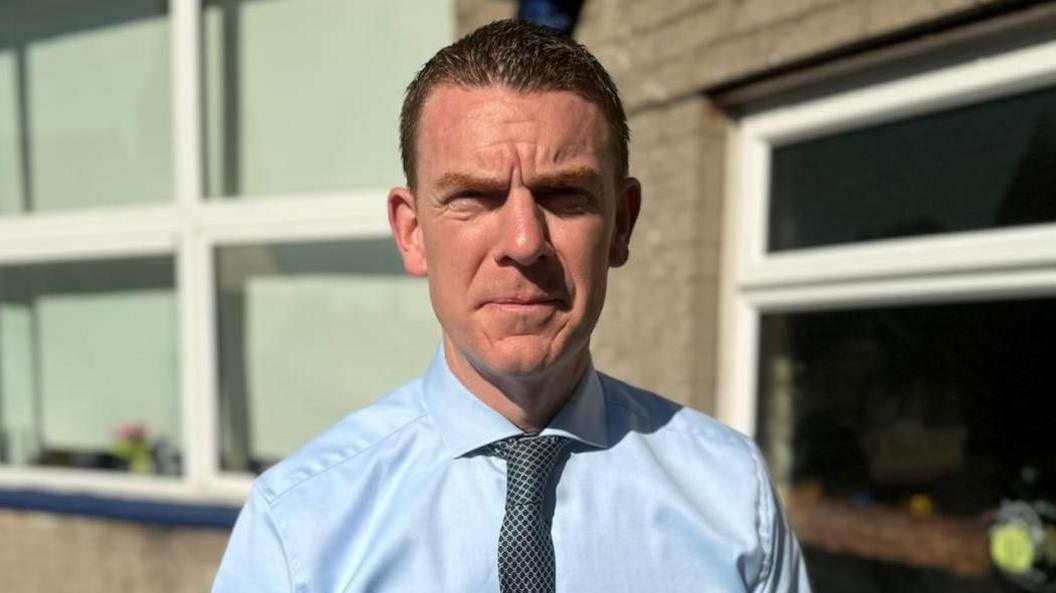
pixel 526 552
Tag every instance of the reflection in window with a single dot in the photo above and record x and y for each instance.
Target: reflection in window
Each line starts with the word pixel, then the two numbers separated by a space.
pixel 84 104
pixel 308 333
pixel 304 95
pixel 897 431
pixel 88 366
pixel 977 167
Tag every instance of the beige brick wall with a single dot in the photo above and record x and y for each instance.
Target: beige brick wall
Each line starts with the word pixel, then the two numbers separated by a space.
pixel 658 51
pixel 658 328
pixel 44 553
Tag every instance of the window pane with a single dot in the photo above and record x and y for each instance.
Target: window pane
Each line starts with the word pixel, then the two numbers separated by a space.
pixel 84 104
pixel 897 431
pixel 308 333
pixel 983 166
pixel 304 95
pixel 88 365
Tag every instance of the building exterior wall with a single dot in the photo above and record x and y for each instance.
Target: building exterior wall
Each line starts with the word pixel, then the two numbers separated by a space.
pixel 659 327
pixel 46 553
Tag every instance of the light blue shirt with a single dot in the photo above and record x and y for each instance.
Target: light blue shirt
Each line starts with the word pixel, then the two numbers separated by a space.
pixel 653 498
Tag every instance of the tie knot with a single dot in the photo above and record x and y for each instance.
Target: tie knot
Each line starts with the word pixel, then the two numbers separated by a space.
pixel 529 463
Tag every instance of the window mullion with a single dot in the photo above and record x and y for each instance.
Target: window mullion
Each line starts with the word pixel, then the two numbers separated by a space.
pixel 194 279
pixel 186 101
pixel 87 235
pixel 297 218
pixel 197 359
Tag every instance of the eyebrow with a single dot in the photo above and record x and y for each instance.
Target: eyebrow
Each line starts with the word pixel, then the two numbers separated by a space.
pixel 451 180
pixel 573 176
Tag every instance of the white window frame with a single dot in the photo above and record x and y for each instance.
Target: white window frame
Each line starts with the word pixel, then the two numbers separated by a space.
pixel 1002 263
pixel 189 229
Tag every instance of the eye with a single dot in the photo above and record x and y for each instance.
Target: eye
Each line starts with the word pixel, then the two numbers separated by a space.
pixel 473 201
pixel 566 201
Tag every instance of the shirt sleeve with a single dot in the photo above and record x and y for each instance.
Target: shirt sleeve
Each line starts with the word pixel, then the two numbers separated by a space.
pixel 783 569
pixel 256 558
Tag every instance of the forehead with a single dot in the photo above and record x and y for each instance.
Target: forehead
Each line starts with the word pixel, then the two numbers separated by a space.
pixel 494 126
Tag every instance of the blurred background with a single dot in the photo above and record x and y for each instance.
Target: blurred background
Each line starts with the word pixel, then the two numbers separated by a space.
pixel 847 249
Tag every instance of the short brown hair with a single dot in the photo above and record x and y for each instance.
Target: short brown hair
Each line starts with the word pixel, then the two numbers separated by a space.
pixel 525 58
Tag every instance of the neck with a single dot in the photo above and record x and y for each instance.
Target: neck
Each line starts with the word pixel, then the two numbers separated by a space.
pixel 527 401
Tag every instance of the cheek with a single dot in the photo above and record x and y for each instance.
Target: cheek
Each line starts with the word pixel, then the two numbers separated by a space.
pixel 587 259
pixel 447 279
pixel 453 256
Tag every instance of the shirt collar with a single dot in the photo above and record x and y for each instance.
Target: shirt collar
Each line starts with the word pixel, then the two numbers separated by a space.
pixel 466 423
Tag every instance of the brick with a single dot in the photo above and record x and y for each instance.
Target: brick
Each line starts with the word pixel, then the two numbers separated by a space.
pixel 883 17
pixel 600 21
pixel 751 15
pixel 832 26
pixel 646 16
pixel 472 14
pixel 691 71
pixel 679 37
pixel 608 21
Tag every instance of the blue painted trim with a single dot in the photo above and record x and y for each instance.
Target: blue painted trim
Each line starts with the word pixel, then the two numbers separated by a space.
pixel 555 14
pixel 155 513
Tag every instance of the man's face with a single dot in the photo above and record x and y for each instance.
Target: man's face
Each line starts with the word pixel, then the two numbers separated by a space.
pixel 516 218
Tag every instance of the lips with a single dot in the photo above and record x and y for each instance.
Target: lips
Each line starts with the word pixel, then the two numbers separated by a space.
pixel 533 300
pixel 532 304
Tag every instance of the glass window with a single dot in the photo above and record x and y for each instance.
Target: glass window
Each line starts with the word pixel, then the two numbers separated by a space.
pixel 308 333
pixel 304 95
pixel 84 104
pixel 88 366
pixel 982 166
pixel 897 431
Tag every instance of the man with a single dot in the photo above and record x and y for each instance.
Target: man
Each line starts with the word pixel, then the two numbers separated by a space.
pixel 513 465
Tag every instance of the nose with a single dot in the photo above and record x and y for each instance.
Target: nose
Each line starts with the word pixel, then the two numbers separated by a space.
pixel 524 235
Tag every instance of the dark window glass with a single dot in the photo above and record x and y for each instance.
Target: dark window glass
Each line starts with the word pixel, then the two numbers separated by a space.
pixel 896 433
pixel 983 166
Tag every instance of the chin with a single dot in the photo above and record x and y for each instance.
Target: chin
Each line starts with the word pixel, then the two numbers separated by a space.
pixel 518 360
pixel 526 356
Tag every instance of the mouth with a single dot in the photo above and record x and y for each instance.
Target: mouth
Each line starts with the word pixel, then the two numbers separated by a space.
pixel 537 300
pixel 527 304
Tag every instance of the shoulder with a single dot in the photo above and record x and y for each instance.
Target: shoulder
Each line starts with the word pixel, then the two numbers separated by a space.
pixel 704 461
pixel 357 436
pixel 643 410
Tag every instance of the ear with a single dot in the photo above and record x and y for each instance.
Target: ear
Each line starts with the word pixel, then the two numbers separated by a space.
pixel 407 230
pixel 628 203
